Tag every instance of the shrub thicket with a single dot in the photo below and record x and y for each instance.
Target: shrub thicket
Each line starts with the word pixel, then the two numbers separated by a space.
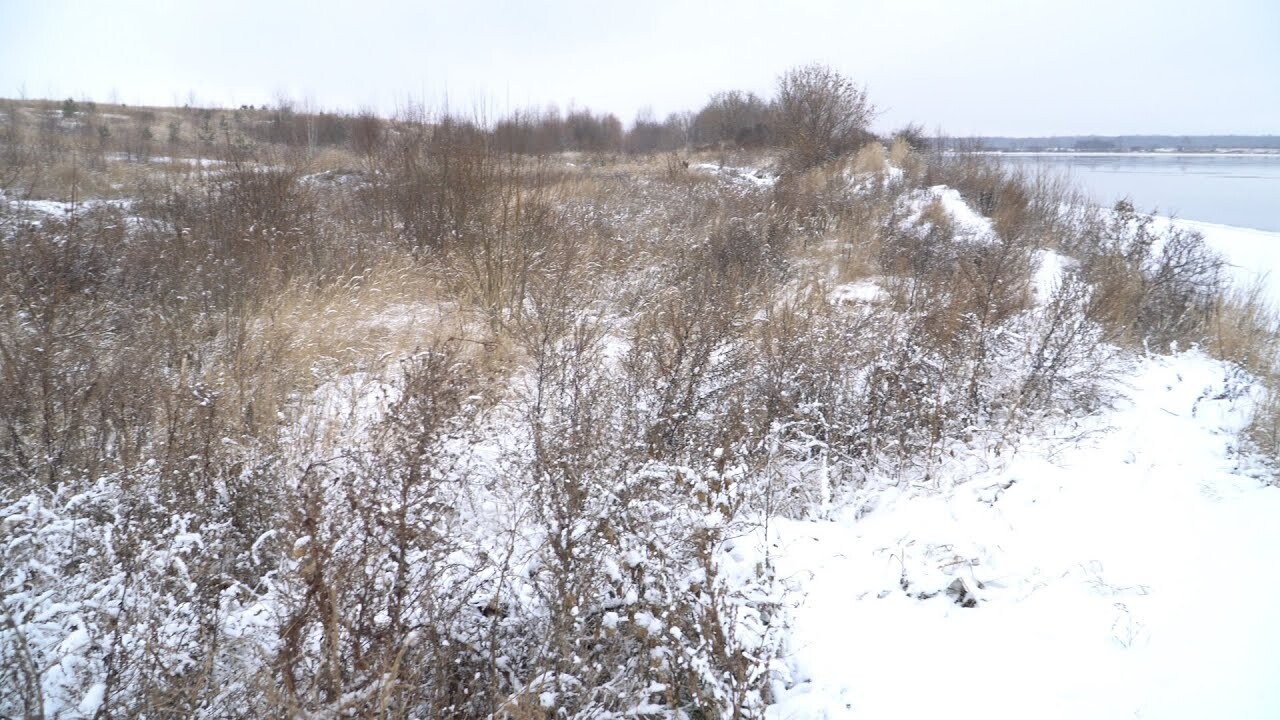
pixel 411 419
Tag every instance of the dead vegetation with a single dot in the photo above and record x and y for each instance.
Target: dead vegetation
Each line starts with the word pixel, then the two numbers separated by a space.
pixel 413 424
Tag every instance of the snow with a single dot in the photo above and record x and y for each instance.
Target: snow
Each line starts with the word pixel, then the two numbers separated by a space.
pixel 166 160
pixel 61 209
pixel 1122 576
pixel 197 162
pixel 1050 267
pixel 92 699
pixel 744 175
pixel 966 218
pixel 968 224
pixel 1114 566
pixel 862 291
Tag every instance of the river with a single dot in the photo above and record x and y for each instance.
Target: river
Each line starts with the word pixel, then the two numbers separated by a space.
pixel 1228 189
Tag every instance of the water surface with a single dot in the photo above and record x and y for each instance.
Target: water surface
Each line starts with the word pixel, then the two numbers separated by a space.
pixel 1240 190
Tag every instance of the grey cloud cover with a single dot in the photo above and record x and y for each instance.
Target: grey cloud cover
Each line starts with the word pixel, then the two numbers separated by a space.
pixel 966 66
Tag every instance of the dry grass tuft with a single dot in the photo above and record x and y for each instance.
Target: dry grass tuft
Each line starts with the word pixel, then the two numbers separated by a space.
pixel 898 152
pixel 1246 331
pixel 871 159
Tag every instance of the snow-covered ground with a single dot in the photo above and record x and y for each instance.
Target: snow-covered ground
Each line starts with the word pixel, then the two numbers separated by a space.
pixel 33 209
pixel 1119 566
pixel 166 160
pixel 969 222
pixel 757 177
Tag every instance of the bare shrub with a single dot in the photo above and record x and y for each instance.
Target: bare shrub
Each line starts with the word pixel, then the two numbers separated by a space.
pixel 1067 359
pixel 442 183
pixel 374 601
pixel 67 376
pixel 1136 283
pixel 913 136
pixel 736 118
pixel 821 115
pixel 685 340
pixel 807 398
pixel 142 594
pixel 618 634
pixel 16 154
pixel 1151 286
pixel 1264 427
pixel 368 133
pixel 513 232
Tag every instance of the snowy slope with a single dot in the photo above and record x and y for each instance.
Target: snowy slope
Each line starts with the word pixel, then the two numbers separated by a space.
pixel 1115 567
pixel 1126 574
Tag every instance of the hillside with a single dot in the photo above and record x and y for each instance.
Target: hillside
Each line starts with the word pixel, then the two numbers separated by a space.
pixel 416 422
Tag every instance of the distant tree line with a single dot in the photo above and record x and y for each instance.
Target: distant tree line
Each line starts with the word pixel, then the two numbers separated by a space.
pixel 1125 143
pixel 814 106
pixel 815 114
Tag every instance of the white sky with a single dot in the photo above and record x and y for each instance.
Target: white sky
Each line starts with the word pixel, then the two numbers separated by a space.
pixel 991 67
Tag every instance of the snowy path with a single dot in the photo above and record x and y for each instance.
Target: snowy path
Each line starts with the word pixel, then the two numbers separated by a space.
pixel 1131 575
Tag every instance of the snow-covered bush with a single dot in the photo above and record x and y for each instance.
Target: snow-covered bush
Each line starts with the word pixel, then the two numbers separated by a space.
pixel 1151 286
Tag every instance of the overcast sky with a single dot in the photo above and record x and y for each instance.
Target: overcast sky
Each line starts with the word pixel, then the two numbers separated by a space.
pixel 991 67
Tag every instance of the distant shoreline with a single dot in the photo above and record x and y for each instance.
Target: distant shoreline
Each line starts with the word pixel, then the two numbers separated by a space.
pixel 1243 152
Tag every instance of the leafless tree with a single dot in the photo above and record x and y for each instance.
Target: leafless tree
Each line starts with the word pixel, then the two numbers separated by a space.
pixel 733 117
pixel 821 114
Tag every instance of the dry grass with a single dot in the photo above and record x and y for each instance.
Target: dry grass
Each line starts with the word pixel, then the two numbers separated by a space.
pixel 1264 428
pixel 871 159
pixel 360 325
pixel 899 151
pixel 1246 331
pixel 630 345
pixel 332 159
